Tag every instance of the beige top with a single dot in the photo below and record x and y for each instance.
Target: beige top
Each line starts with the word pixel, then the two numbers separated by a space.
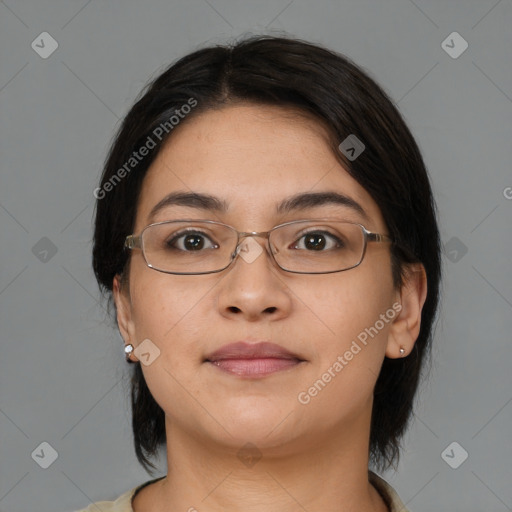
pixel 124 502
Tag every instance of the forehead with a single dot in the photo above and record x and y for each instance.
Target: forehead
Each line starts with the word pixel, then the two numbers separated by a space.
pixel 252 157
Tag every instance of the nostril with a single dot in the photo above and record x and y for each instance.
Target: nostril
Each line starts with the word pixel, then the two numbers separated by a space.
pixel 271 309
pixel 234 309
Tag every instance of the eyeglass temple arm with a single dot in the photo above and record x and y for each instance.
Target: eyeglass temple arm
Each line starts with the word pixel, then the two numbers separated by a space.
pixel 376 237
pixel 132 242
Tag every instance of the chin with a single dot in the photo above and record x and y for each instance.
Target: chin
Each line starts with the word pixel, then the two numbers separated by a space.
pixel 255 419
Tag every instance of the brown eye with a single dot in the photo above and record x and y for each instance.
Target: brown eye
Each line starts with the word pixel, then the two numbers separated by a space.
pixel 318 241
pixel 190 242
pixel 314 242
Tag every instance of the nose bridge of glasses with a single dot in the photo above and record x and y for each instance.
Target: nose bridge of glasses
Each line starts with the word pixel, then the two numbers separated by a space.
pixel 250 254
pixel 242 235
pixel 261 234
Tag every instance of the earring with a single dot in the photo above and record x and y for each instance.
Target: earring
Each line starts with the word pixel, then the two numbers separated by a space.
pixel 402 351
pixel 128 349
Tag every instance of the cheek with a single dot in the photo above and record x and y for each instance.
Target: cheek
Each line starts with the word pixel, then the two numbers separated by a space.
pixel 169 311
pixel 347 358
pixel 165 305
pixel 347 307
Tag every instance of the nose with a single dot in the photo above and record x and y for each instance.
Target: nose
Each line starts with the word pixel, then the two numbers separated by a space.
pixel 253 288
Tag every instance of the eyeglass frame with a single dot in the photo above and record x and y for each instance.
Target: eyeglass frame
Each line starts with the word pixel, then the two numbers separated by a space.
pixel 135 242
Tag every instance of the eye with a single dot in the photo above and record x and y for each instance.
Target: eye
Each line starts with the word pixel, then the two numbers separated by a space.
pixel 190 241
pixel 318 241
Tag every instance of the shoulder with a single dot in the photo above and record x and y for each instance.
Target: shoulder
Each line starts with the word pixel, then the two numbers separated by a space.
pixel 387 492
pixel 122 504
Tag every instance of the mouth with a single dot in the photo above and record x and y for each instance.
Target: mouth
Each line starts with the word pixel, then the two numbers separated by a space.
pixel 253 360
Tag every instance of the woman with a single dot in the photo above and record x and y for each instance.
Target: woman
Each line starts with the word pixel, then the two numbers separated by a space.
pixel 266 229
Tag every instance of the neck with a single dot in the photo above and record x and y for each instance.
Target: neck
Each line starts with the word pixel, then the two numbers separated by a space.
pixel 329 473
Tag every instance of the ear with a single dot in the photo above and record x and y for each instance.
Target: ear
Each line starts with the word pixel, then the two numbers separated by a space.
pixel 405 328
pixel 124 312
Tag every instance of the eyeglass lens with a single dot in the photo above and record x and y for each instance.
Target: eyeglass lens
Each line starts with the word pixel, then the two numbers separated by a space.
pixel 302 246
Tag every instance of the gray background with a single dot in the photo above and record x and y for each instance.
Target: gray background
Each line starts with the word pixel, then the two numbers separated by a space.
pixel 62 372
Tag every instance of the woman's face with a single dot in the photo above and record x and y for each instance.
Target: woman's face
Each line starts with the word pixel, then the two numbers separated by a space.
pixel 252 158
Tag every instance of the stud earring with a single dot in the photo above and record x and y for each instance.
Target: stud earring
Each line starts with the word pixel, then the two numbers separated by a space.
pixel 402 351
pixel 128 349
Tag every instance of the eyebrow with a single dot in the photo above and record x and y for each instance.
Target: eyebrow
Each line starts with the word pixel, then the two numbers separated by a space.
pixel 294 203
pixel 191 200
pixel 315 199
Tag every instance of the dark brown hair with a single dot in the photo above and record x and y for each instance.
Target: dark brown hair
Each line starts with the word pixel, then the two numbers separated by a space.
pixel 318 82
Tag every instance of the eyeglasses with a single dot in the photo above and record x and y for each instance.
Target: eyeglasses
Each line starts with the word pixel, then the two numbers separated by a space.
pixel 191 247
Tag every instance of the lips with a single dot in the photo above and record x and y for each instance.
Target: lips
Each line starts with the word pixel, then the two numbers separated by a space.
pixel 253 359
